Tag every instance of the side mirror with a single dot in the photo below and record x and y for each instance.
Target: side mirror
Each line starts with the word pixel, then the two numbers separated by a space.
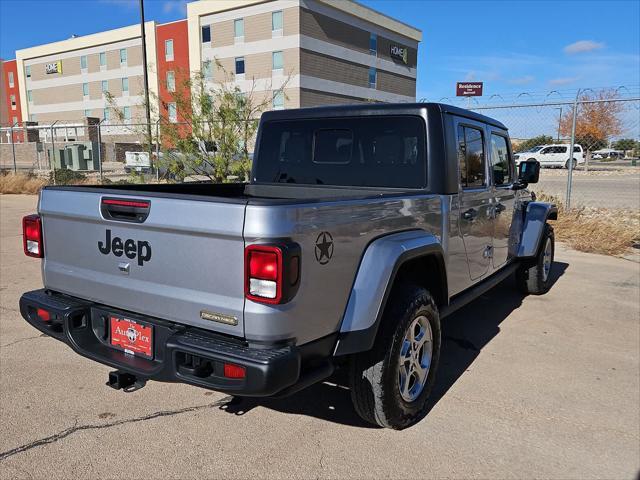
pixel 528 172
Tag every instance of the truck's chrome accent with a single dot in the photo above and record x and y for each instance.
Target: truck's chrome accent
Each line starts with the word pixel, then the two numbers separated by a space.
pixel 218 317
pixel 124 267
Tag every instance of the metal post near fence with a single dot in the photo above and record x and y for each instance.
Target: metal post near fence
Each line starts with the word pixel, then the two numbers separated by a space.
pixel 52 158
pixel 571 143
pixel 13 148
pixel 157 150
pixel 100 147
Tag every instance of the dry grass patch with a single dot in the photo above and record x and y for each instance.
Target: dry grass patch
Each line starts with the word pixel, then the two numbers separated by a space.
pixel 21 183
pixel 596 230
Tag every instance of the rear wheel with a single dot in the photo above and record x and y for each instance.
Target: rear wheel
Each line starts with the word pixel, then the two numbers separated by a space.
pixel 575 164
pixel 535 277
pixel 390 384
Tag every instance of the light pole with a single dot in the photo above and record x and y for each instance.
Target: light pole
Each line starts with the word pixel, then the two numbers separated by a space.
pixel 559 121
pixel 145 76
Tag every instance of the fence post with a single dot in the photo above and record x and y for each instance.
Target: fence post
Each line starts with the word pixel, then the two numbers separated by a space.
pixel 52 158
pixel 100 147
pixel 13 148
pixel 100 150
pixel 571 143
pixel 158 150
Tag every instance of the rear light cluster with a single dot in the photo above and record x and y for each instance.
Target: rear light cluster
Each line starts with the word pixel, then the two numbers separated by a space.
pixel 272 272
pixel 32 233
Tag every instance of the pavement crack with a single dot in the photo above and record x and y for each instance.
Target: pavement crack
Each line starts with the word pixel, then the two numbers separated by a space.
pixel 42 335
pixel 77 428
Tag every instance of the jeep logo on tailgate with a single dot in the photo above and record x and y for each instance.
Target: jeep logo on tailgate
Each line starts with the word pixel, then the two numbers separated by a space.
pixel 130 248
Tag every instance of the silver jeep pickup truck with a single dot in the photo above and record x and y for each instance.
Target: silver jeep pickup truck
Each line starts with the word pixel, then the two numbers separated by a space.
pixel 361 229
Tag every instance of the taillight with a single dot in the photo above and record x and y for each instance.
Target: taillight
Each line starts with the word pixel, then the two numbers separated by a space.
pixel 263 264
pixel 32 233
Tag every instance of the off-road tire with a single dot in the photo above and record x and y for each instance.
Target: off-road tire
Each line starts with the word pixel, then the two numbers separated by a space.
pixel 530 277
pixel 374 374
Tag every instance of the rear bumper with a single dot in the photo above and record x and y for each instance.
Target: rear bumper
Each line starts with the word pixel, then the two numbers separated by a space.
pixel 180 354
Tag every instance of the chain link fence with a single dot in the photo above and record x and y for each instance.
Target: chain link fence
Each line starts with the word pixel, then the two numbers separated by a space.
pixel 604 171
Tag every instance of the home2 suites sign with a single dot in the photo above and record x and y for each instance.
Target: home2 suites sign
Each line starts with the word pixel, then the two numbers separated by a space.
pixel 399 53
pixel 53 67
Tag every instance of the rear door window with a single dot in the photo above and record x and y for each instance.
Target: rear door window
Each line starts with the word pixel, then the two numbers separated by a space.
pixel 471 158
pixel 387 151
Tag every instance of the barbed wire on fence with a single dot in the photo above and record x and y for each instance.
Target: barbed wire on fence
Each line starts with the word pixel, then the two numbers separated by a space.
pixel 607 132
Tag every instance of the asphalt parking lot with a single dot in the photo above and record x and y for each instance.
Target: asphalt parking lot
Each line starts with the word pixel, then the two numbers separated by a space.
pixel 544 387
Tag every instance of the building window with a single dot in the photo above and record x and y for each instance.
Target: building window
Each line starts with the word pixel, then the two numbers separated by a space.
pixel 83 61
pixel 30 96
pixel 27 70
pixel 14 120
pixel 103 59
pixel 123 55
pixel 207 71
pixel 240 66
pixel 105 86
pixel 278 100
pixel 173 112
pixel 85 89
pixel 13 101
pixel 238 29
pixel 276 21
pixel 373 76
pixel 168 50
pixel 87 113
pixel 126 112
pixel 105 114
pixel 278 61
pixel 171 82
pixel 11 80
pixel 125 84
pixel 373 44
pixel 206 34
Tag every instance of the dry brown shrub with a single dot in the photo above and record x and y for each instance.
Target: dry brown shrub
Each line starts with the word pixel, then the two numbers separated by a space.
pixel 596 230
pixel 21 183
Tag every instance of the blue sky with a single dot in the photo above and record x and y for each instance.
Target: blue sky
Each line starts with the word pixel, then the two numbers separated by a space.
pixel 513 46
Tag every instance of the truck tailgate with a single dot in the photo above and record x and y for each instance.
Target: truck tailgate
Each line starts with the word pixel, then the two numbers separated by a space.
pixel 184 262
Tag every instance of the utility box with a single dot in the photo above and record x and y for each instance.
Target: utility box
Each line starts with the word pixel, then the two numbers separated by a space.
pixel 75 157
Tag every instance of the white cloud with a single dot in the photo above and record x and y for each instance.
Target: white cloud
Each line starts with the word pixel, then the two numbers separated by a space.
pixel 583 46
pixel 563 80
pixel 470 76
pixel 521 80
pixel 177 6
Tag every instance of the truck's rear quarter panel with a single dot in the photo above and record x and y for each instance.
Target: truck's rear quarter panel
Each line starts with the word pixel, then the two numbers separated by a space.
pixel 196 261
pixel 319 305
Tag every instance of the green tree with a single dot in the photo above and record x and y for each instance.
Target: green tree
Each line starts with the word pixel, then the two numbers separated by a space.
pixel 532 142
pixel 215 126
pixel 624 144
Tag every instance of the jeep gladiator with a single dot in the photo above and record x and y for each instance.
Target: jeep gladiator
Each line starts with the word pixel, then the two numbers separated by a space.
pixel 361 229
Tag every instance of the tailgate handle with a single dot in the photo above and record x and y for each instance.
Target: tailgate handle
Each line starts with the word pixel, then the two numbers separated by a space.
pixel 135 211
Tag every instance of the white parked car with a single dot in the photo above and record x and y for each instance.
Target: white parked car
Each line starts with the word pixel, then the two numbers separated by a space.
pixel 552 155
pixel 137 161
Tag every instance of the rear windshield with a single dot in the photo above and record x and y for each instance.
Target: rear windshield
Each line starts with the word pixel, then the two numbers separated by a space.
pixel 371 151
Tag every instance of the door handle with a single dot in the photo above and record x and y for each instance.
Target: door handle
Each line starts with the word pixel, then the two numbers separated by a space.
pixel 470 214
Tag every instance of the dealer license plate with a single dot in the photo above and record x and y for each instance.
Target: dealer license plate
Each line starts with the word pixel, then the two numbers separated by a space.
pixel 132 337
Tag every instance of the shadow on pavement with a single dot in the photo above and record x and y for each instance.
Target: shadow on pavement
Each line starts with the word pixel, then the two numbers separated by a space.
pixel 464 334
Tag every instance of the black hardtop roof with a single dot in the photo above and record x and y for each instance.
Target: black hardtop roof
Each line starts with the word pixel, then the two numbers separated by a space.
pixel 376 109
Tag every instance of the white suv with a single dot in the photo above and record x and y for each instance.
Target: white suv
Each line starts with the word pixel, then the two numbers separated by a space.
pixel 552 155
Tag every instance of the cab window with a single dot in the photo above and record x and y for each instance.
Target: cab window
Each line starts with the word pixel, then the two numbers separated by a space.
pixel 500 164
pixel 471 158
